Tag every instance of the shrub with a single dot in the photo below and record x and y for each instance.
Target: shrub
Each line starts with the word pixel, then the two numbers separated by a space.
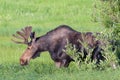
pixel 111 61
pixel 77 56
pixel 107 12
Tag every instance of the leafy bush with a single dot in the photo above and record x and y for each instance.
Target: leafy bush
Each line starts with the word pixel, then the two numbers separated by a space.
pixel 109 50
pixel 107 12
pixel 111 61
pixel 77 56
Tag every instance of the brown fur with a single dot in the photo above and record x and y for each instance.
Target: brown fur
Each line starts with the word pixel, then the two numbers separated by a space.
pixel 54 42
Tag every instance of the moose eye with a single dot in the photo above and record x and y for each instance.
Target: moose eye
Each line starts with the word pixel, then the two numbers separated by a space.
pixel 29 48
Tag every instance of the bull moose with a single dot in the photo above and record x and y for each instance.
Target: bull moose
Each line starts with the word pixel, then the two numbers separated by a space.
pixel 54 42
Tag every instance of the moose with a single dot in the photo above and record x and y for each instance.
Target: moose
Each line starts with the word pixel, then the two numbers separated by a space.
pixel 54 42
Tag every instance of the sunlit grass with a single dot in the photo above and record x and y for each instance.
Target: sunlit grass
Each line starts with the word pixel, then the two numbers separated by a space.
pixel 44 15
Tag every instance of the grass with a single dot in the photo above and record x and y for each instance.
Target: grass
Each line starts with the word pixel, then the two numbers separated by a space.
pixel 47 14
pixel 44 15
pixel 47 71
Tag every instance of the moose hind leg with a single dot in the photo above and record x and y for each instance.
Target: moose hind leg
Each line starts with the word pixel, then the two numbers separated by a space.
pixel 97 54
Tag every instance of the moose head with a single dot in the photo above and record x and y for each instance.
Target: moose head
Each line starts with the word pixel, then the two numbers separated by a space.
pixel 31 51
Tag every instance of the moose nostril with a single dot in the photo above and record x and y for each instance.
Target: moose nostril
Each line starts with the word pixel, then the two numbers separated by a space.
pixel 23 62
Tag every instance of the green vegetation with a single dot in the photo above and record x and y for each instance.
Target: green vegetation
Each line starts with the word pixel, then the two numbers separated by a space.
pixel 44 16
pixel 109 15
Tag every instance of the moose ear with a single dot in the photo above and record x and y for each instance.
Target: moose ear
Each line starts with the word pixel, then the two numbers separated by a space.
pixel 32 35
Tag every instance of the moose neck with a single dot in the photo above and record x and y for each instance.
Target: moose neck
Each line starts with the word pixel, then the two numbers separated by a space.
pixel 42 44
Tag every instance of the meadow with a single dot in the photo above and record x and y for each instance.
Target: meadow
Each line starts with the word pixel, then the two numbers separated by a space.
pixel 45 15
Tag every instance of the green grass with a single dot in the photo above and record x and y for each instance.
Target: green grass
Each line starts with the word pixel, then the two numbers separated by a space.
pixel 44 15
pixel 47 14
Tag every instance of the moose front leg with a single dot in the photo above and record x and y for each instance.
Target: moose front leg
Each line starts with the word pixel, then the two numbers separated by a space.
pixel 57 60
pixel 61 60
pixel 62 63
pixel 58 64
pixel 65 60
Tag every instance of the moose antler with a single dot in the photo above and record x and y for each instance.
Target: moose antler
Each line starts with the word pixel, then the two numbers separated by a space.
pixel 24 34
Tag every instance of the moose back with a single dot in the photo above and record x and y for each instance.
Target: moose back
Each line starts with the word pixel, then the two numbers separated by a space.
pixel 54 42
